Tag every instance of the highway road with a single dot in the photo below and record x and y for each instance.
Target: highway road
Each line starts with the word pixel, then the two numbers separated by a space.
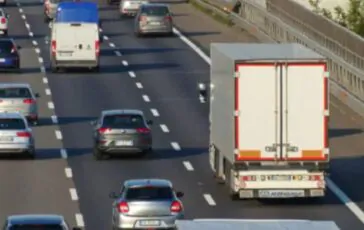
pixel 158 76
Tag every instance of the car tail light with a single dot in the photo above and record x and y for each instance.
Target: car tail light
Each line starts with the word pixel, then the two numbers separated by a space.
pixel 176 206
pixel 123 207
pixel 316 178
pixel 3 20
pixel 28 101
pixel 97 48
pixel 168 18
pixel 13 50
pixel 248 178
pixel 103 130
pixel 143 130
pixel 54 47
pixel 23 134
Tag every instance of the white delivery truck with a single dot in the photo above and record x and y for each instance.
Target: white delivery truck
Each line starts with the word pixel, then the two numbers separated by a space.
pixel 269 111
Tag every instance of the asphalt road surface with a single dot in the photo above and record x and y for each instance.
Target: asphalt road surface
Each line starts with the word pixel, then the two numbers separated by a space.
pixel 158 76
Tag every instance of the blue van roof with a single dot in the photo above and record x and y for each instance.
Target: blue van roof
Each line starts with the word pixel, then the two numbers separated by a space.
pixel 86 12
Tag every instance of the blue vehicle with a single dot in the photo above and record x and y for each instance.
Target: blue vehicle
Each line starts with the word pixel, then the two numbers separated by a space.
pixel 9 55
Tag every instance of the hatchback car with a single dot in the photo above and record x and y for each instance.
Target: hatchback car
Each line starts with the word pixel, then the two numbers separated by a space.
pixel 130 7
pixel 3 22
pixel 37 222
pixel 153 19
pixel 121 131
pixel 19 98
pixel 146 204
pixel 9 55
pixel 16 136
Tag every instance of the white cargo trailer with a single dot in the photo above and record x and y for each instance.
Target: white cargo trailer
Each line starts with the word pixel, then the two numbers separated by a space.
pixel 269 110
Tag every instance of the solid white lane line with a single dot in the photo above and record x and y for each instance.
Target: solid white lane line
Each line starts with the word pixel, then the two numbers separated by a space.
pixel 73 194
pixel 48 91
pixel 68 172
pixel 54 119
pixel 112 45
pixel 146 98
pixel 64 154
pixel 132 74
pixel 175 146
pixel 50 105
pixel 209 199
pixel 79 220
pixel 139 85
pixel 164 128
pixel 188 165
pixel 155 112
pixel 117 53
pixel 58 134
pixel 125 63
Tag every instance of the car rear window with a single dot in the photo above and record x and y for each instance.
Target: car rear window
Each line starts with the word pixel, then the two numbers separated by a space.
pixel 15 93
pixel 6 46
pixel 11 123
pixel 149 193
pixel 123 121
pixel 155 11
pixel 37 227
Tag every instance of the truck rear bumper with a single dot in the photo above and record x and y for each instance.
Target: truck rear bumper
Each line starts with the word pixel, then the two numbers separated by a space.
pixel 279 194
pixel 75 64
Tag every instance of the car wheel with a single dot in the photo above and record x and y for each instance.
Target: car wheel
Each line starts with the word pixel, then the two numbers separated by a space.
pixel 98 155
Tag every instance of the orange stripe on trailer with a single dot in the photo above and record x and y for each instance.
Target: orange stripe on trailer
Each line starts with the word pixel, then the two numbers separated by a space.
pixel 249 154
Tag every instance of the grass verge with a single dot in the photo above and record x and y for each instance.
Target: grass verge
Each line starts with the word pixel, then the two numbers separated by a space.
pixel 222 19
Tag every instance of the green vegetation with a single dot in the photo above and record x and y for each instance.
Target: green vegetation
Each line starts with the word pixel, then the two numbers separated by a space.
pixel 217 17
pixel 353 19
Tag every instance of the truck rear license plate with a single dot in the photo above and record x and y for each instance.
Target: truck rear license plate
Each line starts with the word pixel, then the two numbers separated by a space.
pixel 150 223
pixel 281 193
pixel 124 143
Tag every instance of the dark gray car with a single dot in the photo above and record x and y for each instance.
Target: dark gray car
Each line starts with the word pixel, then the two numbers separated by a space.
pixel 120 132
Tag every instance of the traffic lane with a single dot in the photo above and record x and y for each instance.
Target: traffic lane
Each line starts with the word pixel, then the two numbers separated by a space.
pixel 80 98
pixel 39 185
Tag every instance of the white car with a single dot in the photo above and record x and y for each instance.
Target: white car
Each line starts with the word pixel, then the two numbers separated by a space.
pixel 4 18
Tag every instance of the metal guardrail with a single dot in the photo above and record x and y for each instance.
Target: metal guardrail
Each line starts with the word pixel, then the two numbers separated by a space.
pixel 345 80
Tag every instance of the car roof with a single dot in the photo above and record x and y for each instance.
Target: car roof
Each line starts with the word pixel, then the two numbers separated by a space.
pixel 146 182
pixel 11 115
pixel 155 4
pixel 15 85
pixel 122 111
pixel 35 219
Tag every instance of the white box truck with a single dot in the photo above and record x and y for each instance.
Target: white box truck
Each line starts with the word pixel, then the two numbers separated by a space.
pixel 269 111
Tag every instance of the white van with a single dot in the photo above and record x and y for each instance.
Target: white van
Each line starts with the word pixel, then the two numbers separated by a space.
pixel 75 45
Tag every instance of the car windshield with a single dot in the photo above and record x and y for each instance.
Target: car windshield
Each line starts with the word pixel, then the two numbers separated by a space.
pixel 6 46
pixel 149 193
pixel 123 121
pixel 37 227
pixel 15 93
pixel 155 11
pixel 12 123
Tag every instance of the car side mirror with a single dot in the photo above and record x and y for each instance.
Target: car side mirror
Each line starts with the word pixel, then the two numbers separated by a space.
pixel 113 195
pixel 93 123
pixel 18 47
pixel 149 122
pixel 180 194
pixel 37 95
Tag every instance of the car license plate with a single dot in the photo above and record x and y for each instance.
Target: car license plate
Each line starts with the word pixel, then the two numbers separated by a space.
pixel 6 139
pixel 68 54
pixel 155 23
pixel 2 60
pixel 124 143
pixel 280 177
pixel 281 193
pixel 150 223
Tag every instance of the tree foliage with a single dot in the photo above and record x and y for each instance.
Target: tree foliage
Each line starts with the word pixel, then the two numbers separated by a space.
pixel 353 19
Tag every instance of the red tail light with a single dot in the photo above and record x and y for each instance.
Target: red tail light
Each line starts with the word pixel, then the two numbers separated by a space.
pixel 123 207
pixel 176 206
pixel 316 178
pixel 168 18
pixel 97 48
pixel 103 130
pixel 54 47
pixel 143 130
pixel 3 20
pixel 13 50
pixel 23 134
pixel 142 19
pixel 28 101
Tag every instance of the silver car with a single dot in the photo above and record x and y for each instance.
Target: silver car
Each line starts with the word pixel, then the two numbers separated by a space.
pixel 19 97
pixel 154 18
pixel 16 136
pixel 146 204
pixel 121 131
pixel 130 7
pixel 33 222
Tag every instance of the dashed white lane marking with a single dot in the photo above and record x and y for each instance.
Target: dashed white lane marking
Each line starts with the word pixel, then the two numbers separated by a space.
pixel 146 98
pixel 48 91
pixel 175 146
pixel 40 60
pixel 112 45
pixel 132 74
pixel 21 10
pixel 100 30
pixel 139 85
pixel 125 63
pixel 37 50
pixel 79 220
pixel 35 42
pixel 188 165
pixel 54 119
pixel 23 17
pixel 64 154
pixel 106 38
pixel 45 80
pixel 154 112
pixel 31 34
pixel 209 199
pixel 73 194
pixel 117 53
pixel 43 70
pixel 164 128
pixel 58 134
pixel 27 25
pixel 50 105
pixel 68 172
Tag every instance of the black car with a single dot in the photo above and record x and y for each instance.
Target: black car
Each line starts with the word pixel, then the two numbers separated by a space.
pixel 37 222
pixel 9 55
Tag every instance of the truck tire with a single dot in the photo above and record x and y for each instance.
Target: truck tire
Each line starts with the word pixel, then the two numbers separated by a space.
pixel 228 175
